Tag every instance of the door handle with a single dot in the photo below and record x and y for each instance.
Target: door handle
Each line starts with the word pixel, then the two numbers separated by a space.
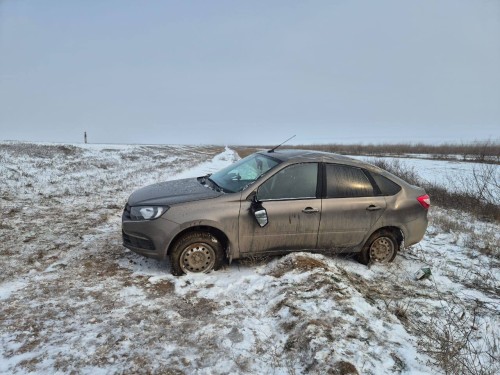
pixel 310 210
pixel 372 207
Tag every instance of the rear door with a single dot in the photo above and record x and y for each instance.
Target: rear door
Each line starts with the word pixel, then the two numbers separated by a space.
pixel 291 199
pixel 350 207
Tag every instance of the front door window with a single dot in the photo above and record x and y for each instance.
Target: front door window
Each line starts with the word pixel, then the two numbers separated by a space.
pixel 297 181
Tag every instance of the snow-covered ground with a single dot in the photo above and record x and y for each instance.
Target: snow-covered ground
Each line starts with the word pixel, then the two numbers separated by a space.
pixel 72 299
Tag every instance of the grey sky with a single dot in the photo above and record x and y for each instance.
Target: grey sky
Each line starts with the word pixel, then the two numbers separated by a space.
pixel 250 71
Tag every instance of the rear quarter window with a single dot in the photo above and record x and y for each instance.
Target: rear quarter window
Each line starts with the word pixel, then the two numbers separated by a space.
pixel 386 186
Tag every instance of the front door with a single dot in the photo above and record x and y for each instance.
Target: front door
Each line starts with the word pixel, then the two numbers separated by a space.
pixel 290 198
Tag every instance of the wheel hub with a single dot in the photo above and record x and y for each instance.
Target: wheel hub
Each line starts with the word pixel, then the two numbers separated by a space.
pixel 197 258
pixel 381 250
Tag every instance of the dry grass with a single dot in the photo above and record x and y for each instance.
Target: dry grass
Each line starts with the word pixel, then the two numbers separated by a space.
pixel 450 339
pixel 401 311
pixel 300 263
pixel 484 239
pixel 254 261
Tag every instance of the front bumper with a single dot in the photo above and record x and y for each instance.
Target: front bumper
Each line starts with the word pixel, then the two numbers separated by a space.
pixel 150 238
pixel 140 245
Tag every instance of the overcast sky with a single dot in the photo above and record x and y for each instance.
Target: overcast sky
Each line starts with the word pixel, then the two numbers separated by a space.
pixel 245 72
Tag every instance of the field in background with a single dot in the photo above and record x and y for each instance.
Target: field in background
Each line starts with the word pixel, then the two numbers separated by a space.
pixel 481 151
pixel 72 299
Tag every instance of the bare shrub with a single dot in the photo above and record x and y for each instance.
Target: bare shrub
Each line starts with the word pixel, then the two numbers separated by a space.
pixel 451 340
pixel 400 169
pixel 448 225
pixel 483 184
pixel 487 242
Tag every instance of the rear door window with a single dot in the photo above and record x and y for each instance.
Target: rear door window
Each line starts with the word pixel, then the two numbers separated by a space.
pixel 344 181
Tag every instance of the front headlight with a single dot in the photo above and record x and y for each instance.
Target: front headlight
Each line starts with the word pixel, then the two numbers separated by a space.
pixel 147 212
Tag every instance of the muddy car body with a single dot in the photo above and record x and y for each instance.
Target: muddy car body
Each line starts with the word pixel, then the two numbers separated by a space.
pixel 275 202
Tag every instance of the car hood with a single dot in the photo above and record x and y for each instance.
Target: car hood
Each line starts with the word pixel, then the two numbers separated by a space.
pixel 172 192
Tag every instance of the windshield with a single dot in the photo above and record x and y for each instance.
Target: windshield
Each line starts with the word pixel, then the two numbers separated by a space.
pixel 242 173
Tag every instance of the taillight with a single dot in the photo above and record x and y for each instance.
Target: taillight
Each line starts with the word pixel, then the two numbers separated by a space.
pixel 425 201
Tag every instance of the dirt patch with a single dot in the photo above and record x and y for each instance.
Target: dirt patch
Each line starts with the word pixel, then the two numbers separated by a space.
pixel 194 308
pixel 344 368
pixel 162 288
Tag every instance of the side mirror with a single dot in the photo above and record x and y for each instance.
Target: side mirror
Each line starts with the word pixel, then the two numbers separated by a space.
pixel 259 212
pixel 261 217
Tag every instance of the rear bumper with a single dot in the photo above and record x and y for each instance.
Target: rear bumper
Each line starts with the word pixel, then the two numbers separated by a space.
pixel 415 230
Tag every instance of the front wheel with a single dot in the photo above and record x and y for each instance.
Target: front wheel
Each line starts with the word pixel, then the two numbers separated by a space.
pixel 197 252
pixel 381 247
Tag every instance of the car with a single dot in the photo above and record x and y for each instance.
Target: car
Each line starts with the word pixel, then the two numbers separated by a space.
pixel 275 202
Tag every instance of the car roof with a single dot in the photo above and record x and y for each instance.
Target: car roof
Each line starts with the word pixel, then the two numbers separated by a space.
pixel 298 155
pixel 291 156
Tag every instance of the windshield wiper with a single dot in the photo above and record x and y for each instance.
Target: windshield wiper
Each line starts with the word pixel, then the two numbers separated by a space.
pixel 203 179
pixel 208 182
pixel 214 184
pixel 219 188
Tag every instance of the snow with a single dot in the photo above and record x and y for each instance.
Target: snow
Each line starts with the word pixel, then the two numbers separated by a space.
pixel 74 300
pixel 7 288
pixel 218 162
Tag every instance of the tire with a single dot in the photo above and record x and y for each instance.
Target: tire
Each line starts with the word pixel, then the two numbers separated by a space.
pixel 381 247
pixel 197 252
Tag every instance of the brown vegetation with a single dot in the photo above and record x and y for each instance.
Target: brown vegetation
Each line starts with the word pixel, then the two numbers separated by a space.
pixel 487 151
pixel 299 263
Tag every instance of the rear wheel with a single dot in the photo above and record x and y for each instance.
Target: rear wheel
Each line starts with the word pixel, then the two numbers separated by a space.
pixel 381 247
pixel 197 252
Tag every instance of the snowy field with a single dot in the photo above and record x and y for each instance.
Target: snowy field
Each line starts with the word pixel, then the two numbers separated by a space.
pixel 73 300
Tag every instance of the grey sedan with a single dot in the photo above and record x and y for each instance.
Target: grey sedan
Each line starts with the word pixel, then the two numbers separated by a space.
pixel 276 202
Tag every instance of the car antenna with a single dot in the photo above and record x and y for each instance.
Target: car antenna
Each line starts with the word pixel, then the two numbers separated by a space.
pixel 274 148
